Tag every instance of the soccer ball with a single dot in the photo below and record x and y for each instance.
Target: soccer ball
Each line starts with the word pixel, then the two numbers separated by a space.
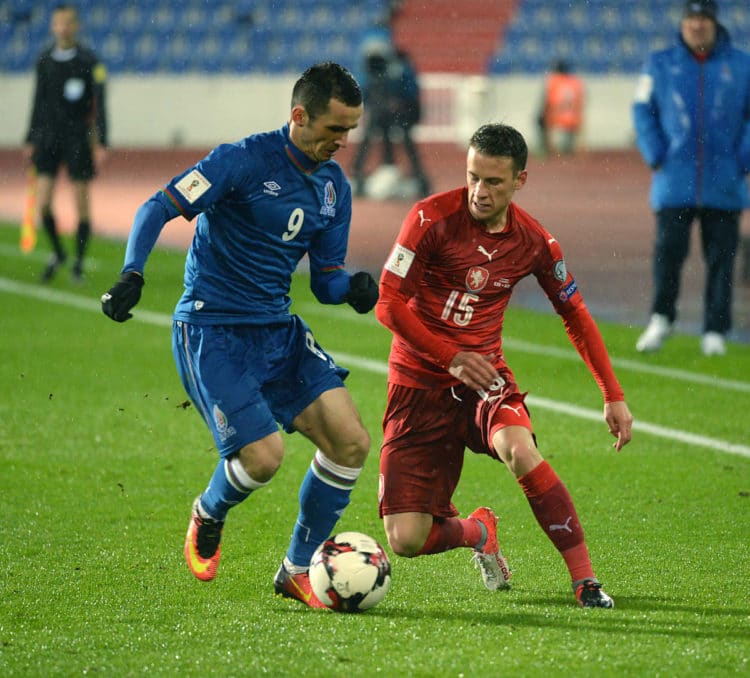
pixel 350 572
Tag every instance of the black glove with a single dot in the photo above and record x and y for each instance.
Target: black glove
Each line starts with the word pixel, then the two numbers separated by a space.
pixel 122 297
pixel 363 292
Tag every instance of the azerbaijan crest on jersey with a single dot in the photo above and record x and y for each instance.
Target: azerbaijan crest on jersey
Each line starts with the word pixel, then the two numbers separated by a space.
pixel 223 427
pixel 328 209
pixel 477 278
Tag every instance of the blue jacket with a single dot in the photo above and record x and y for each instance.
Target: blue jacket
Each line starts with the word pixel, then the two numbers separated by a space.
pixel 692 124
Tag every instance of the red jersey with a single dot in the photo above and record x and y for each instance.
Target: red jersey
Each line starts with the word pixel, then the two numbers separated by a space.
pixel 447 282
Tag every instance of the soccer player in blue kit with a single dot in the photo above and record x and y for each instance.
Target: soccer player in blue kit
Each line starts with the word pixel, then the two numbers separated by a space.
pixel 245 361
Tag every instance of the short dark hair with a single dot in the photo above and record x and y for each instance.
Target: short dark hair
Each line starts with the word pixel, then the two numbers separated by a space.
pixel 321 83
pixel 500 140
pixel 66 7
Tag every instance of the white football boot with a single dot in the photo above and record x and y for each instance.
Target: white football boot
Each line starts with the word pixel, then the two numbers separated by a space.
pixel 659 328
pixel 712 343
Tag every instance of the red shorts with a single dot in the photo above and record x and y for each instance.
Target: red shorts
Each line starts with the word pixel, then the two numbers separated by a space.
pixel 425 434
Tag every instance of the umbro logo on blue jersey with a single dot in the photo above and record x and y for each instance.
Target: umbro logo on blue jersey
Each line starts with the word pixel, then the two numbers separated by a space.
pixel 271 187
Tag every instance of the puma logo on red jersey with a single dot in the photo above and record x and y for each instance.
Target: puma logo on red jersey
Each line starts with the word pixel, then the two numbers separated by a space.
pixel 485 252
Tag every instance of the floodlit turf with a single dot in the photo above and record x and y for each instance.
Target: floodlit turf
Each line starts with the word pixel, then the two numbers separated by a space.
pixel 102 457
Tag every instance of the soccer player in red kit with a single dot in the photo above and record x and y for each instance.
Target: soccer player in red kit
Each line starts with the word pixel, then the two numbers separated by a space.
pixel 443 293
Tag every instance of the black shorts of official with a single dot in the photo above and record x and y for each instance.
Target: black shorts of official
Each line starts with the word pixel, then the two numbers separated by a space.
pixel 75 154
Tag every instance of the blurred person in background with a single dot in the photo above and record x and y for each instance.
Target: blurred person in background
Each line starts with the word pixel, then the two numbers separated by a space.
pixel 561 114
pixel 692 120
pixel 392 96
pixel 68 126
pixel 247 363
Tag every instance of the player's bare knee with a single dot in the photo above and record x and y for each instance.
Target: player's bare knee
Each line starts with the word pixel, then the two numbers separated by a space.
pixel 352 452
pixel 405 542
pixel 522 458
pixel 261 464
pixel 403 548
pixel 360 448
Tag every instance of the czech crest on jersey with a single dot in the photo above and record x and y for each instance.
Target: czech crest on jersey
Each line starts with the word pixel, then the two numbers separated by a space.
pixel 477 278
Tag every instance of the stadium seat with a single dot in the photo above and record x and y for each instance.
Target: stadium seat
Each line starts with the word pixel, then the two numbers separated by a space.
pixel 605 36
pixel 146 54
pixel 162 18
pixel 130 34
pixel 130 21
pixel 598 36
pixel 113 52
pixel 16 55
pixel 100 16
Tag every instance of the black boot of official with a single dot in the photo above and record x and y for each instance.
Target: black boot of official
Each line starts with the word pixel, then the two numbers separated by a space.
pixel 58 256
pixel 82 241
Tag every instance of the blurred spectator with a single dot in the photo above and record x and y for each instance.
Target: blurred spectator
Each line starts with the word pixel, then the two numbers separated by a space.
pixel 692 121
pixel 561 113
pixel 68 126
pixel 392 104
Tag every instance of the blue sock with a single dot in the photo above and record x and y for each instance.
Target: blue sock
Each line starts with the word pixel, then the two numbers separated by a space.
pixel 323 496
pixel 229 486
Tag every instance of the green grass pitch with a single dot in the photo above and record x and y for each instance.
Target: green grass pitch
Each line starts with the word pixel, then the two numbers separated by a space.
pixel 101 457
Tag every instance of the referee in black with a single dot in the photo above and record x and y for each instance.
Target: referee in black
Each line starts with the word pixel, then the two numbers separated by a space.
pixel 68 126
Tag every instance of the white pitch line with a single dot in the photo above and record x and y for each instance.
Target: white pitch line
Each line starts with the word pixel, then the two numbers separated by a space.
pixel 92 303
pixel 379 367
pixel 35 255
pixel 653 429
pixel 565 354
pixel 632 365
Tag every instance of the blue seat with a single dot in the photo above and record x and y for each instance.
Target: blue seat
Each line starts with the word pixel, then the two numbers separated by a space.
pixel 177 54
pixel 195 16
pixel 498 66
pixel 609 36
pixel 162 18
pixel 129 20
pixel 280 37
pixel 6 33
pixel 23 6
pixel 516 31
pixel 145 53
pixel 114 53
pixel 17 54
pixel 629 63
pixel 101 16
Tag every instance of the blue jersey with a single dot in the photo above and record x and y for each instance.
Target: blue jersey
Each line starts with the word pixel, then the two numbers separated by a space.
pixel 262 205
pixel 692 124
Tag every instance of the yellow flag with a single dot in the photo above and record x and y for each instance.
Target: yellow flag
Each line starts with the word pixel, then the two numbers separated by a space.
pixel 28 225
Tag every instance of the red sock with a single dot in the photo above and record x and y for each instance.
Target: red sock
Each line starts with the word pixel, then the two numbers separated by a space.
pixel 554 510
pixel 451 533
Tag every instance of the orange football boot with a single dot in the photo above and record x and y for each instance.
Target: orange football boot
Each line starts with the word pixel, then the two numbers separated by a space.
pixel 203 544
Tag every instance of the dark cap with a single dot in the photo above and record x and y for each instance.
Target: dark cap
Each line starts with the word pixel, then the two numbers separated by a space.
pixel 706 8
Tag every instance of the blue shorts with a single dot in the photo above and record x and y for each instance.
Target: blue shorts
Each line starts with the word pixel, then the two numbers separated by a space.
pixel 244 378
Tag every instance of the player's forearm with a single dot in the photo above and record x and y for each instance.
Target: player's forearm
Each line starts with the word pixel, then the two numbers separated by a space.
pixel 394 314
pixel 585 336
pixel 147 225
